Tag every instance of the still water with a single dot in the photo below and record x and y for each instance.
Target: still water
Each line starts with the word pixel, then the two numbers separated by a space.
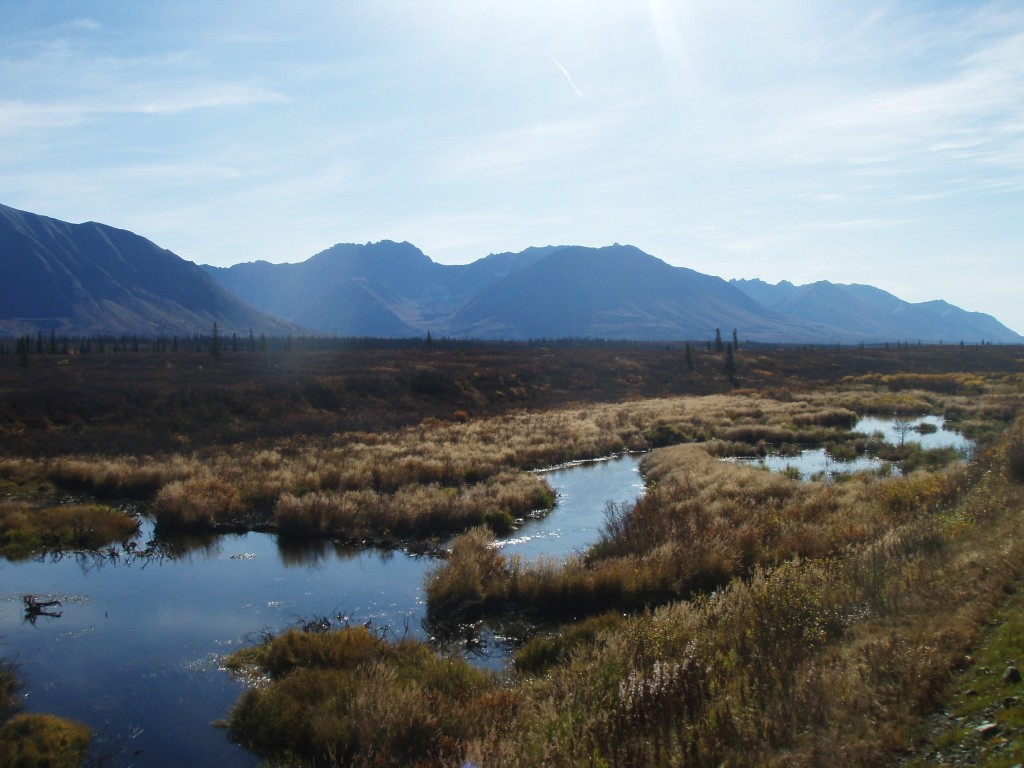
pixel 817 460
pixel 134 653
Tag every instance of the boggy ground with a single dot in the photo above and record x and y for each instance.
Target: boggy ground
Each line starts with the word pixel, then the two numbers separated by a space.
pixel 744 592
pixel 442 477
pixel 826 646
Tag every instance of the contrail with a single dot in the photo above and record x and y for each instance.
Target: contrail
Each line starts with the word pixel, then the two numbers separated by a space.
pixel 567 76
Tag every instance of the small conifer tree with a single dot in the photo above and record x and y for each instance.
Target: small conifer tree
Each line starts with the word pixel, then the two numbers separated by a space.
pixel 730 363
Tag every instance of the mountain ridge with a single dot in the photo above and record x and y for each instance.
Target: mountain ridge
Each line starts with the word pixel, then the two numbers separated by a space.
pixel 94 278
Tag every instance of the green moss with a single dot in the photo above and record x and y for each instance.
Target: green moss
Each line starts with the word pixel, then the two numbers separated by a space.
pixel 979 694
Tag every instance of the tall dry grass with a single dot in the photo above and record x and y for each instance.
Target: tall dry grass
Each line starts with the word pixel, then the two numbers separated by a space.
pixel 440 477
pixel 823 656
pixel 702 523
pixel 814 661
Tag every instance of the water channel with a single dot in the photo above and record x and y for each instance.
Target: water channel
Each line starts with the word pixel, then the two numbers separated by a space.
pixel 135 651
pixel 815 461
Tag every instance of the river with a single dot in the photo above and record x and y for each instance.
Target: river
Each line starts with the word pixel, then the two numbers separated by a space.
pixel 135 653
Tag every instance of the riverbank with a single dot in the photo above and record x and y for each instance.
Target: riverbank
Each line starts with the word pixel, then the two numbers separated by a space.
pixel 829 656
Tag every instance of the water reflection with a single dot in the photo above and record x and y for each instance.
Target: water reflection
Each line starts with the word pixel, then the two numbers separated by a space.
pixel 930 432
pixel 297 552
pixel 134 656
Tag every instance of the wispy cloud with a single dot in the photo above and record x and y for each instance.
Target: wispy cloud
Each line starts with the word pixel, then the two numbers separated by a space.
pixel 863 224
pixel 86 23
pixel 534 147
pixel 21 115
pixel 568 77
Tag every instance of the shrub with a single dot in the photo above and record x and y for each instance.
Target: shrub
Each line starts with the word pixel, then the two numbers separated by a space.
pixel 544 651
pixel 196 503
pixel 43 741
pixel 349 697
pixel 459 585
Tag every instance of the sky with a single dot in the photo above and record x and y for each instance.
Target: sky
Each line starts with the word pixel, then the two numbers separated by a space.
pixel 802 140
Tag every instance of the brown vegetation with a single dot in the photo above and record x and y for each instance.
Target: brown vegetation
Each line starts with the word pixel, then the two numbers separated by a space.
pixel 768 620
pixel 43 741
pixel 36 740
pixel 818 653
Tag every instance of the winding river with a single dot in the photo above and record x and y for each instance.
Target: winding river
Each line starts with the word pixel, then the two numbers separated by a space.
pixel 135 651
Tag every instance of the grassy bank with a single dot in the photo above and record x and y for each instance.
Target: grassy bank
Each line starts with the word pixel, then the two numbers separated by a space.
pixel 442 477
pixel 36 740
pixel 851 606
pixel 27 528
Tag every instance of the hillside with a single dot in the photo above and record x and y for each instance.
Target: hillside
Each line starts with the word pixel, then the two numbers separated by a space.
pixel 866 313
pixel 92 278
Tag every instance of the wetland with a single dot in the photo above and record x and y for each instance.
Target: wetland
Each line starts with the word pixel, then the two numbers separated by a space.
pixel 341 543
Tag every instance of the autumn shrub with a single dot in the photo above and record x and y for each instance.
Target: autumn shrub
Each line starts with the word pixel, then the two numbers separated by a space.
pixel 546 650
pixel 350 697
pixel 459 585
pixel 43 741
pixel 197 503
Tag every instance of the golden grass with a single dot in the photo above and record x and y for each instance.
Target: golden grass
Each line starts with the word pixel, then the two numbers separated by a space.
pixel 770 622
pixel 815 661
pixel 444 476
pixel 701 523
pixel 348 697
pixel 43 741
pixel 821 657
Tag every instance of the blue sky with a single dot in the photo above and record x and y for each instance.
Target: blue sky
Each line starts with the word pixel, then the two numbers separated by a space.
pixel 870 142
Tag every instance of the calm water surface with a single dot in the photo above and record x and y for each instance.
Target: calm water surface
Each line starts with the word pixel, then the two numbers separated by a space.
pixel 815 460
pixel 135 651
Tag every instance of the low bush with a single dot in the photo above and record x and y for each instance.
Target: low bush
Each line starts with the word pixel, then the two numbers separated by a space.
pixel 43 741
pixel 347 697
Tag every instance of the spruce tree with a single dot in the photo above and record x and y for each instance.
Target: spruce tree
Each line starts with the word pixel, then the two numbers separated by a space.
pixel 730 364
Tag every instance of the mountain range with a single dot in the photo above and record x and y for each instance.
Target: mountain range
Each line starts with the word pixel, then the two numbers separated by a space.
pixel 92 278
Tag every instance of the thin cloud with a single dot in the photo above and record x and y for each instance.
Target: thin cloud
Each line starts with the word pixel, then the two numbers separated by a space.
pixel 532 146
pixel 864 224
pixel 568 77
pixel 86 23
